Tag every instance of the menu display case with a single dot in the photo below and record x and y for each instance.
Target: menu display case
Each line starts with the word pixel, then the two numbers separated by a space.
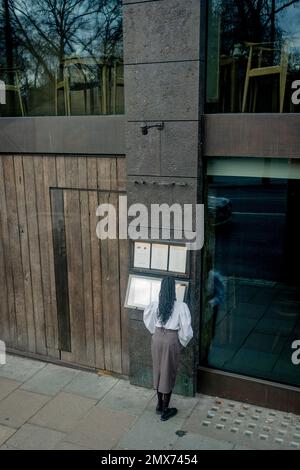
pixel 150 263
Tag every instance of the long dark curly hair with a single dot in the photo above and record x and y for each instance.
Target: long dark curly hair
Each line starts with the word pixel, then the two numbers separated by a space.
pixel 167 297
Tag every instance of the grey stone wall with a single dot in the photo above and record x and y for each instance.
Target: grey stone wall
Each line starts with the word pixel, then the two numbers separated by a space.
pixel 162 70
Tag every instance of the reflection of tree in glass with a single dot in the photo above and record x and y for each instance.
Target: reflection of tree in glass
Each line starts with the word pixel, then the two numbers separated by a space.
pixel 251 20
pixel 38 34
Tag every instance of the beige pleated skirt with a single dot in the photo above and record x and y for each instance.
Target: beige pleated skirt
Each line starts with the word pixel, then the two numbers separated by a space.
pixel 165 349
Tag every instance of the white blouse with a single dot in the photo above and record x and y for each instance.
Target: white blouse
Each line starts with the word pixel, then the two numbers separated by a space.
pixel 180 320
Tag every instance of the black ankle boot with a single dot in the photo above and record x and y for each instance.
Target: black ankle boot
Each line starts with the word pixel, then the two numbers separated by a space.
pixel 159 407
pixel 167 413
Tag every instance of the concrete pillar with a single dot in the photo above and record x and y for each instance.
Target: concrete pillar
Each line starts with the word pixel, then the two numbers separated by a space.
pixel 162 83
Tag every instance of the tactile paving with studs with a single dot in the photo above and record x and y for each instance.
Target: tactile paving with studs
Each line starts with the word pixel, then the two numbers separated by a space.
pixel 244 424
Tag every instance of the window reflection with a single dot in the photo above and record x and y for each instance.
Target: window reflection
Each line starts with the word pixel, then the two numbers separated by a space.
pixel 252 283
pixel 61 57
pixel 253 56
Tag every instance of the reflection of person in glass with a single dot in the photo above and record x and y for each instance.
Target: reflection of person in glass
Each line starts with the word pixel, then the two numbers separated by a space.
pixel 169 322
pixel 216 292
pixel 214 298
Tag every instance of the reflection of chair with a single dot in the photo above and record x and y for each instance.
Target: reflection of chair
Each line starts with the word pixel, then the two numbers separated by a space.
pixel 231 96
pixel 71 67
pixel 104 76
pixel 261 71
pixel 13 77
pixel 118 82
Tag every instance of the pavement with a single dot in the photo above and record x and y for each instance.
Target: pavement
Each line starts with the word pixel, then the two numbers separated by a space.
pixel 46 406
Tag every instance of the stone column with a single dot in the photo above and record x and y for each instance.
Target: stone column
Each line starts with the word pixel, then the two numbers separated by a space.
pixel 162 83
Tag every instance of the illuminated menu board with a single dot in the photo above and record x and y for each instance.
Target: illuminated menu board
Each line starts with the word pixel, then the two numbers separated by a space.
pixel 142 290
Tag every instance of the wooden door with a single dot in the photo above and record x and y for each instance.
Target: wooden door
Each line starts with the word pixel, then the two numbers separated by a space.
pixel 90 282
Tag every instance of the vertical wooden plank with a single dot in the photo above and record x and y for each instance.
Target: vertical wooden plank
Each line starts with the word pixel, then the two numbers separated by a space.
pixel 12 338
pixel 60 171
pixel 74 259
pixel 121 174
pixel 61 269
pixel 96 265
pixel 107 173
pixel 75 275
pixel 124 265
pixel 50 180
pixel 15 252
pixel 115 280
pixel 110 296
pixel 22 215
pixel 61 183
pixel 35 259
pixel 104 183
pixel 107 180
pixel 44 240
pixel 114 287
pixel 4 311
pixel 103 199
pixel 72 176
pixel 86 262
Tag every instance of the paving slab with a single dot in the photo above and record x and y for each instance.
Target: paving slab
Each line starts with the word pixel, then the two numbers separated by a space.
pixel 90 385
pixel 19 368
pixel 30 437
pixel 63 412
pixel 101 429
pixel 197 442
pixel 5 433
pixel 19 407
pixel 126 397
pixel 150 433
pixel 7 386
pixel 50 380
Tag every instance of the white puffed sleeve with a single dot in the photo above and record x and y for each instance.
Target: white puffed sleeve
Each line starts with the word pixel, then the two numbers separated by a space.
pixel 185 332
pixel 150 316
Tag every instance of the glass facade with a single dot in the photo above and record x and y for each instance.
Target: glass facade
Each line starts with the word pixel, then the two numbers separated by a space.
pixel 61 57
pixel 252 279
pixel 253 51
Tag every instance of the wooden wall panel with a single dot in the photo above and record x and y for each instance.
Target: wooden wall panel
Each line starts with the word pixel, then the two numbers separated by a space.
pixel 96 270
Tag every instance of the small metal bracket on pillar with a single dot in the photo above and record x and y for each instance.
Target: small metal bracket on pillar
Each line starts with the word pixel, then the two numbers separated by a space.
pixel 145 127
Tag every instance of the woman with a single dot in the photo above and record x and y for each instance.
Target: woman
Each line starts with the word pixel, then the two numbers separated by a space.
pixel 169 322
